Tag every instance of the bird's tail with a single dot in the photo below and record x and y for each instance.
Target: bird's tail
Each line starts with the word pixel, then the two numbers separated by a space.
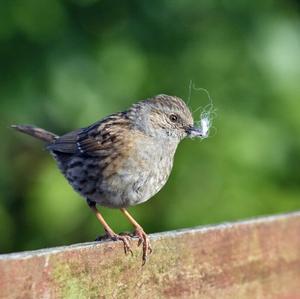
pixel 36 132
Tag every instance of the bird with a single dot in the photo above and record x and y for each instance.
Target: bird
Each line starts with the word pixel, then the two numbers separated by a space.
pixel 123 159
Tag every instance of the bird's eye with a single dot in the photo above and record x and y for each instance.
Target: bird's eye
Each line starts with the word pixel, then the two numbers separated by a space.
pixel 173 118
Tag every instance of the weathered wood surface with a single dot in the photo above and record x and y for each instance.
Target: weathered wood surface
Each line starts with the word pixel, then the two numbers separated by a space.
pixel 252 259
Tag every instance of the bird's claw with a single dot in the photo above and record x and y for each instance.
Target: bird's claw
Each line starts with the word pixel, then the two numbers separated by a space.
pixel 115 237
pixel 126 242
pixel 143 239
pixel 139 233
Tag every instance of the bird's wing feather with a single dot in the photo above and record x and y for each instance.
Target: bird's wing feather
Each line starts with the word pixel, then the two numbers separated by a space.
pixel 95 140
pixel 65 143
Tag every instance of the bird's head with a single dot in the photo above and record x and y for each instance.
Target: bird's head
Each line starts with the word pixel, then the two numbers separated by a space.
pixel 166 117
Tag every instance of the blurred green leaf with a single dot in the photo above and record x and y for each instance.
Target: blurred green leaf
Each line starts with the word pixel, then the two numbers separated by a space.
pixel 66 64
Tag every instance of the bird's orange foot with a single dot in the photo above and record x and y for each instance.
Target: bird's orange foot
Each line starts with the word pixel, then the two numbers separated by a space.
pixel 115 237
pixel 143 240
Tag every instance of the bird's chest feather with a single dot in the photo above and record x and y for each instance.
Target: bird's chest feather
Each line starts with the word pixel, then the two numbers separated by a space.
pixel 131 178
pixel 149 168
pixel 140 176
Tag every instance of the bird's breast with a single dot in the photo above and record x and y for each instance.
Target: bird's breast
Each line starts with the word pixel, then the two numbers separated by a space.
pixel 153 163
pixel 129 179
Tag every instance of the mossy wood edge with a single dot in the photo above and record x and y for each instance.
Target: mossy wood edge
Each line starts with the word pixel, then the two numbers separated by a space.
pixel 259 258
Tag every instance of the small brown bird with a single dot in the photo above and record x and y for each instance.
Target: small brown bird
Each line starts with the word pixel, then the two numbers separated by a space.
pixel 123 159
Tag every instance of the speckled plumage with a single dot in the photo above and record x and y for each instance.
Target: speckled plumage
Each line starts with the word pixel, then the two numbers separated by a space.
pixel 125 158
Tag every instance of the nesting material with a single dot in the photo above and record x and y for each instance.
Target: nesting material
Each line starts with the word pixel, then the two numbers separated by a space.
pixel 205 124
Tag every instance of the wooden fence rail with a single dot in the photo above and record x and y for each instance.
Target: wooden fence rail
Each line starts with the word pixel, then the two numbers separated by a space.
pixel 254 259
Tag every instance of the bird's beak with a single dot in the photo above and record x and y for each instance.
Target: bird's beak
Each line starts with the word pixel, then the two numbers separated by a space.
pixel 195 132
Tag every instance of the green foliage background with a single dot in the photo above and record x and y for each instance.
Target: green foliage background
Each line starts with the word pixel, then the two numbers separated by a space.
pixel 67 63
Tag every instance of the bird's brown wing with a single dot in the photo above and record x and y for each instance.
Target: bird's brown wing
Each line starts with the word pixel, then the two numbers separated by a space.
pixel 98 139
pixel 66 143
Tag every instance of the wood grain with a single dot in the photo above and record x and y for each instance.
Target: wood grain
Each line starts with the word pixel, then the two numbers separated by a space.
pixel 252 259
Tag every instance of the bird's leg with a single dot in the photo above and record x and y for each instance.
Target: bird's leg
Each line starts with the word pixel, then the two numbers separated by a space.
pixel 139 232
pixel 110 233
